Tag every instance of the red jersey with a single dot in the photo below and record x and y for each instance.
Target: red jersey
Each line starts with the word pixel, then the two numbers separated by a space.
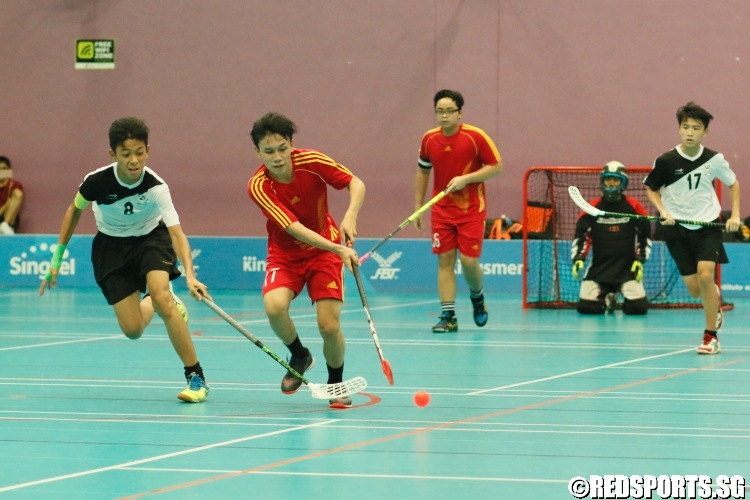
pixel 6 190
pixel 464 152
pixel 304 200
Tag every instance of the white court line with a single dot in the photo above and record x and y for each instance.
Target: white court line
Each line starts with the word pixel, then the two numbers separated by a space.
pixel 582 371
pixel 160 457
pixel 109 337
pixel 417 423
pixel 678 432
pixel 378 476
pixel 142 421
pixel 678 369
pixel 257 386
pixel 209 320
pixel 343 311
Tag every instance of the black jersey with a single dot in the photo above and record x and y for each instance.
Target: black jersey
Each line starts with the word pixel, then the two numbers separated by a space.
pixel 686 183
pixel 128 209
pixel 615 241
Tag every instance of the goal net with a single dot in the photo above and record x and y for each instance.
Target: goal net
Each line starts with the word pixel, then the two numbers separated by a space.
pixel 549 222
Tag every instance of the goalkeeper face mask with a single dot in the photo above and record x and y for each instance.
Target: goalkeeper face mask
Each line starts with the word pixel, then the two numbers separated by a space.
pixel 613 180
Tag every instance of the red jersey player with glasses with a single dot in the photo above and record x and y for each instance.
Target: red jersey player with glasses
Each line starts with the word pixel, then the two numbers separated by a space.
pixel 304 244
pixel 462 157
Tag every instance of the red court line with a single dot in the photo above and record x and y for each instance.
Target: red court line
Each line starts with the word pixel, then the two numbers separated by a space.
pixel 425 429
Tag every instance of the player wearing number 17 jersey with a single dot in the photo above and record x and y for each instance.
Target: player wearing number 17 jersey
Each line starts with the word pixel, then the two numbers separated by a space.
pixel 304 244
pixel 681 187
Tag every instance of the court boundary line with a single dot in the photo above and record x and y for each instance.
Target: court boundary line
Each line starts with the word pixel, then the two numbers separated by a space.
pixel 343 311
pixel 109 337
pixel 611 365
pixel 160 457
pixel 419 431
pixel 350 422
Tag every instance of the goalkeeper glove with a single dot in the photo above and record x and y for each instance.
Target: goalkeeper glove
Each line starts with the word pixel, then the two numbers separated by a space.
pixel 577 266
pixel 637 269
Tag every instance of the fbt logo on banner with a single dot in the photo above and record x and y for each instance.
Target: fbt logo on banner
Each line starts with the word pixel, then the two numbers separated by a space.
pixel 35 262
pixel 385 271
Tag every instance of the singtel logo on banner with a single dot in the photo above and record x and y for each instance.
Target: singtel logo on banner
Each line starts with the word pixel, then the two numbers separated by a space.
pixel 36 262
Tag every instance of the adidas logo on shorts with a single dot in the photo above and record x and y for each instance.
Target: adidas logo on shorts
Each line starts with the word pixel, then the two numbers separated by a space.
pixel 333 285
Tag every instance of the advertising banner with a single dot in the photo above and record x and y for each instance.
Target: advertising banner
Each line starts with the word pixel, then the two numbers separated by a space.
pixel 232 263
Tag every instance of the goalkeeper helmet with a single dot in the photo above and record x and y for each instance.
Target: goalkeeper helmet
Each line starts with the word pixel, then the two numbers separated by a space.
pixel 613 170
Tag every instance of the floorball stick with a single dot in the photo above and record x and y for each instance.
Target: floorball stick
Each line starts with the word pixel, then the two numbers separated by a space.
pixel 320 391
pixel 411 218
pixel 384 364
pixel 592 210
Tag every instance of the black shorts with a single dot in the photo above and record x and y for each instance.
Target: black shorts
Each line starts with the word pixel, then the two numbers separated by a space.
pixel 121 263
pixel 690 246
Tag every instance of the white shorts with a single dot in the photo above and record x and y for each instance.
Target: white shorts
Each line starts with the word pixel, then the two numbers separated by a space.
pixel 631 290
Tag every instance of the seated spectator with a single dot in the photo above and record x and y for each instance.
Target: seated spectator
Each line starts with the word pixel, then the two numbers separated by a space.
pixel 11 197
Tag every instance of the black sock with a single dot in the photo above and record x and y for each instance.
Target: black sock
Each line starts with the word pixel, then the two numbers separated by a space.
pixel 335 375
pixel 297 349
pixel 713 333
pixel 477 297
pixel 196 368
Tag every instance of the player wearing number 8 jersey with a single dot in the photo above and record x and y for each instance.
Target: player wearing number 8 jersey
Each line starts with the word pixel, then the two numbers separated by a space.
pixel 681 187
pixel 137 246
pixel 462 158
pixel 304 243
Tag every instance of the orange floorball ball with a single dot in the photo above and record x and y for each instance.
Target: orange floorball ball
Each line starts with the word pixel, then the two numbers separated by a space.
pixel 421 399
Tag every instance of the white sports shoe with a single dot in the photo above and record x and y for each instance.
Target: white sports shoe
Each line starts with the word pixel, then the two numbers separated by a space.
pixel 710 345
pixel 5 228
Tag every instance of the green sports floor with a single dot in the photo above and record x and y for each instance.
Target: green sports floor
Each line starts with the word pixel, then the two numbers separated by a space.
pixel 518 407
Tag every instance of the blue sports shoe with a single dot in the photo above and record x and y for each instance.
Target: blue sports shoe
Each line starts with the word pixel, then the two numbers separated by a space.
pixel 480 314
pixel 196 390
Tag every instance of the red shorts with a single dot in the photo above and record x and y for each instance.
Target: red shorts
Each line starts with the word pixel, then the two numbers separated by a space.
pixel 322 273
pixel 467 235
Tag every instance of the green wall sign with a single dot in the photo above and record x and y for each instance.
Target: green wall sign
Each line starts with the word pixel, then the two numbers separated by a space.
pixel 95 54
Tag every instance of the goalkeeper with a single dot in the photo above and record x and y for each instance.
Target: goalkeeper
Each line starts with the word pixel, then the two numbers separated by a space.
pixel 620 246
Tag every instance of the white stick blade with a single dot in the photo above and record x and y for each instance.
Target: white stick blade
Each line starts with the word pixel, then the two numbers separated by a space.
pixel 345 388
pixel 575 195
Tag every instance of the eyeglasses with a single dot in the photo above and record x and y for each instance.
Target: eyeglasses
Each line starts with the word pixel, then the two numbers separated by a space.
pixel 445 112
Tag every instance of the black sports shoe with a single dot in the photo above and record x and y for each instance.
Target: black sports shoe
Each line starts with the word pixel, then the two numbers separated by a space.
pixel 448 323
pixel 291 384
pixel 480 314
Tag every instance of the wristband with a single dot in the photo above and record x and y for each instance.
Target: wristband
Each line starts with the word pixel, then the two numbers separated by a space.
pixel 56 260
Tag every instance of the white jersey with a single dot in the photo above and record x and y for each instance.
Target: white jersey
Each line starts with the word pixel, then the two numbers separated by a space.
pixel 686 183
pixel 128 209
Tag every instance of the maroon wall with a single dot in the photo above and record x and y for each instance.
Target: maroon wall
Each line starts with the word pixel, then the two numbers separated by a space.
pixel 551 81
